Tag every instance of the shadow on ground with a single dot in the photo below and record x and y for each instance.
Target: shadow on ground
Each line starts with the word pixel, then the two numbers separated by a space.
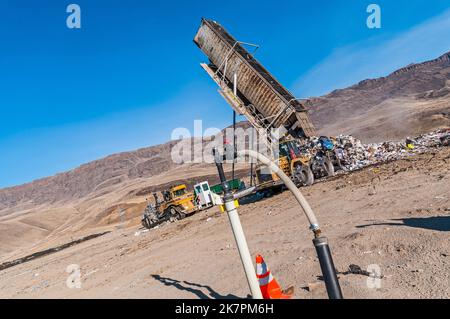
pixel 191 287
pixel 439 223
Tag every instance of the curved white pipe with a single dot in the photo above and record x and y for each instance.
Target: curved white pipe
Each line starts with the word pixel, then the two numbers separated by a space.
pixel 314 224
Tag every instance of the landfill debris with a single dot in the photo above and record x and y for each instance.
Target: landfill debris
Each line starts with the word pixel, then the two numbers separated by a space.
pixel 354 155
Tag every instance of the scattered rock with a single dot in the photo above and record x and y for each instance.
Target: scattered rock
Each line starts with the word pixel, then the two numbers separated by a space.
pixel 314 286
pixel 353 236
pixel 229 246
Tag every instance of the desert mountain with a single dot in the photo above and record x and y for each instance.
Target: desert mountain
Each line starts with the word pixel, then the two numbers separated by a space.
pixel 94 195
pixel 410 101
pixel 49 211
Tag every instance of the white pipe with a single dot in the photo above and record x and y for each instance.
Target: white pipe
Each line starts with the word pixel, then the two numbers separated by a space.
pixel 289 184
pixel 244 252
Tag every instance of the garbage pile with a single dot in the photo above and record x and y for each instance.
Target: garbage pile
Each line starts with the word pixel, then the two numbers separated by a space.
pixel 354 155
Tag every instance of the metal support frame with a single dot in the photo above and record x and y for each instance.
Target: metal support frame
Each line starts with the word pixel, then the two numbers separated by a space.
pixel 238 231
pixel 227 57
pixel 231 96
pixel 236 103
pixel 288 106
pixel 234 123
pixel 262 120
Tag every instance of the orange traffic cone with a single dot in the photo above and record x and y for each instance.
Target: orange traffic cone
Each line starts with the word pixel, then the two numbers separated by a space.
pixel 270 288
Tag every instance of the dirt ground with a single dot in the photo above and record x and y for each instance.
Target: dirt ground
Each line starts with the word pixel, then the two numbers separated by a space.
pixel 395 216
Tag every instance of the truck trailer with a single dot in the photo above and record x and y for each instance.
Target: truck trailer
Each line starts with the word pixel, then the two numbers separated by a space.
pixel 247 86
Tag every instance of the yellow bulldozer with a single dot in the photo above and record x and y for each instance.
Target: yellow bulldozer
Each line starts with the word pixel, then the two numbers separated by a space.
pixel 177 203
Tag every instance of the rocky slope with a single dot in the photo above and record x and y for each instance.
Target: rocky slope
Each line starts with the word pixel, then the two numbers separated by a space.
pixel 410 101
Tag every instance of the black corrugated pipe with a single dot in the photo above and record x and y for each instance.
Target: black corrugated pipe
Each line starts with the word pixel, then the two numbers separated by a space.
pixel 328 269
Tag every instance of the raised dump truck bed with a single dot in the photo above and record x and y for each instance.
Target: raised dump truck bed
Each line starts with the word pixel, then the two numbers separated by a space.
pixel 269 103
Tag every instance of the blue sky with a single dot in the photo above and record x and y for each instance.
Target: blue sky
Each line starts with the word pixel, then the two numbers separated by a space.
pixel 131 74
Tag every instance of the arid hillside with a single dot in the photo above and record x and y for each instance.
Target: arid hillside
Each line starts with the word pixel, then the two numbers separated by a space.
pixel 394 216
pixel 75 203
pixel 52 210
pixel 408 102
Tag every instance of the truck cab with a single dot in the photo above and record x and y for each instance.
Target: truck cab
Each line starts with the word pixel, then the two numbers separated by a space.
pixel 203 195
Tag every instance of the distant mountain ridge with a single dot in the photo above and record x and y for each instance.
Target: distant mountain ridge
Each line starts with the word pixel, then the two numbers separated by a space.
pixel 365 110
pixel 409 101
pixel 90 177
pixel 50 211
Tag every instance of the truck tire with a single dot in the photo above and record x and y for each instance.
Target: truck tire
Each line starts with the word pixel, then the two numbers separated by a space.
pixel 304 175
pixel 329 167
pixel 337 162
pixel 339 165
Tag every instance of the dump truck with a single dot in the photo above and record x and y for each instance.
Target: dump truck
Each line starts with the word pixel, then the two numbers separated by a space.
pixel 263 100
pixel 177 203
pixel 253 92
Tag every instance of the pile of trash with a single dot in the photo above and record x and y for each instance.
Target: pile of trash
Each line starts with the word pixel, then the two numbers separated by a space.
pixel 354 155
